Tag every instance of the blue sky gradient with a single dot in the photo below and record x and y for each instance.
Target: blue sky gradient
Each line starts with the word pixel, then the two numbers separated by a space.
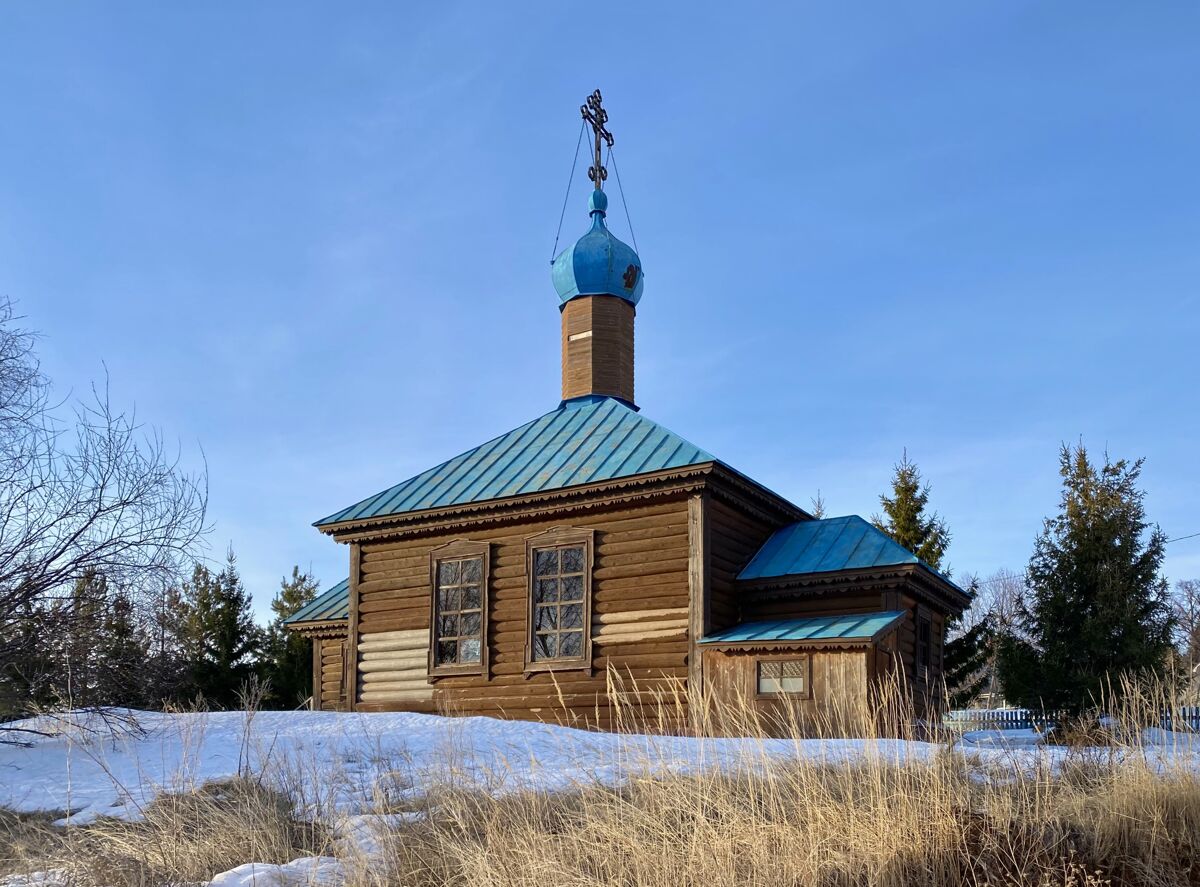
pixel 312 241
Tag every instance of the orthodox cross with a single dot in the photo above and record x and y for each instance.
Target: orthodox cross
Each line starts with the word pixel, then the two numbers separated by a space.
pixel 593 112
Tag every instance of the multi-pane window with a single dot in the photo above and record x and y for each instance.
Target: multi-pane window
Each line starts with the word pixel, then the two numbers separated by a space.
pixel 559 565
pixel 459 614
pixel 559 599
pixel 783 677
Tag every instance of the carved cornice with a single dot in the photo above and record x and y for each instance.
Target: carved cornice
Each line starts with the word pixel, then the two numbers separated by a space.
pixel 571 500
pixel 917 579
pixel 723 481
pixel 326 628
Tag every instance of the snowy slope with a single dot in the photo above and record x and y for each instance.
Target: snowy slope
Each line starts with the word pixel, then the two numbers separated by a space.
pixel 345 767
pixel 345 761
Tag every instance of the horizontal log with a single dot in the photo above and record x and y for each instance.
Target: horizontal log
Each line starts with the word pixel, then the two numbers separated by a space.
pixel 673 566
pixel 396 646
pixel 645 559
pixel 640 668
pixel 396 695
pixel 617 583
pixel 387 665
pixel 524 700
pixel 406 676
pixel 635 616
pixel 414 656
pixel 427 707
pixel 415 635
pixel 393 604
pixel 638 637
pixel 373 583
pixel 673 525
pixel 637 604
pixel 619 652
pixel 663 540
pixel 377 623
pixel 418 683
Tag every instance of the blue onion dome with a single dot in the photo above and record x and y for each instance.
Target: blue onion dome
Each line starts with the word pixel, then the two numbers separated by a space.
pixel 598 264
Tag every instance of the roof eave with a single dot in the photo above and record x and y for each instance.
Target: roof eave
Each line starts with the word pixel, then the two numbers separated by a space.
pixel 321 627
pixel 785 644
pixel 954 595
pixel 382 523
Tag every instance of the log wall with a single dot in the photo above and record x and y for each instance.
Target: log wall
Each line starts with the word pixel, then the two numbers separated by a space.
pixel 329 674
pixel 733 539
pixel 639 620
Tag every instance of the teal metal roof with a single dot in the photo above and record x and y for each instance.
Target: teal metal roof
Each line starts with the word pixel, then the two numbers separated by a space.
pixel 333 604
pixel 825 546
pixel 856 627
pixel 583 441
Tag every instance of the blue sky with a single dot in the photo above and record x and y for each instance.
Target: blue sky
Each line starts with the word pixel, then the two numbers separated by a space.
pixel 312 241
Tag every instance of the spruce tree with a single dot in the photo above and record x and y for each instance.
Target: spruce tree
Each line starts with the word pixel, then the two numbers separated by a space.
pixel 1097 607
pixel 904 517
pixel 287 655
pixel 965 662
pixel 80 618
pixel 220 637
pixel 168 661
pixel 121 655
pixel 926 535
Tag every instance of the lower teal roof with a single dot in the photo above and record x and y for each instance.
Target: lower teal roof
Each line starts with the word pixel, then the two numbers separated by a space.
pixel 825 546
pixel 332 605
pixel 863 627
pixel 581 442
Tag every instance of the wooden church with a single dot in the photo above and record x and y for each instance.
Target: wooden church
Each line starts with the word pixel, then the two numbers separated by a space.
pixel 514 579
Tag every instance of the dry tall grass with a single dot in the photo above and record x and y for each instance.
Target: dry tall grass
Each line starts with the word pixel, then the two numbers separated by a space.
pixel 183 838
pixel 867 811
pixel 885 817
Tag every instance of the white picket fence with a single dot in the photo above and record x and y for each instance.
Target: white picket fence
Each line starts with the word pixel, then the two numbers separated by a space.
pixel 1183 718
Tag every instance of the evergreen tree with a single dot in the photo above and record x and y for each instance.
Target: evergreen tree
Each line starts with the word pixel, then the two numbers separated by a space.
pixel 80 618
pixel 287 655
pixel 1097 607
pixel 220 637
pixel 965 663
pixel 168 668
pixel 28 674
pixel 965 652
pixel 818 509
pixel 904 517
pixel 121 655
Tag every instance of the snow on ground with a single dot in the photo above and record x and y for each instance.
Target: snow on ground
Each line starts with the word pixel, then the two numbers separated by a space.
pixel 347 767
pixel 350 762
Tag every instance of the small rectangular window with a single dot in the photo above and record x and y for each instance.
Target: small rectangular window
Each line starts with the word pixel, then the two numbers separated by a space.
pixel 783 677
pixel 458 615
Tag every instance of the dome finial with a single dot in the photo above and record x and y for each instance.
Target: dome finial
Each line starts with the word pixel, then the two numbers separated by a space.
pixel 598 264
pixel 593 112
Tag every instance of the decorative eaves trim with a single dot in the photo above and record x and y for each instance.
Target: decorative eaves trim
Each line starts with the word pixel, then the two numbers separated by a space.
pixel 326 628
